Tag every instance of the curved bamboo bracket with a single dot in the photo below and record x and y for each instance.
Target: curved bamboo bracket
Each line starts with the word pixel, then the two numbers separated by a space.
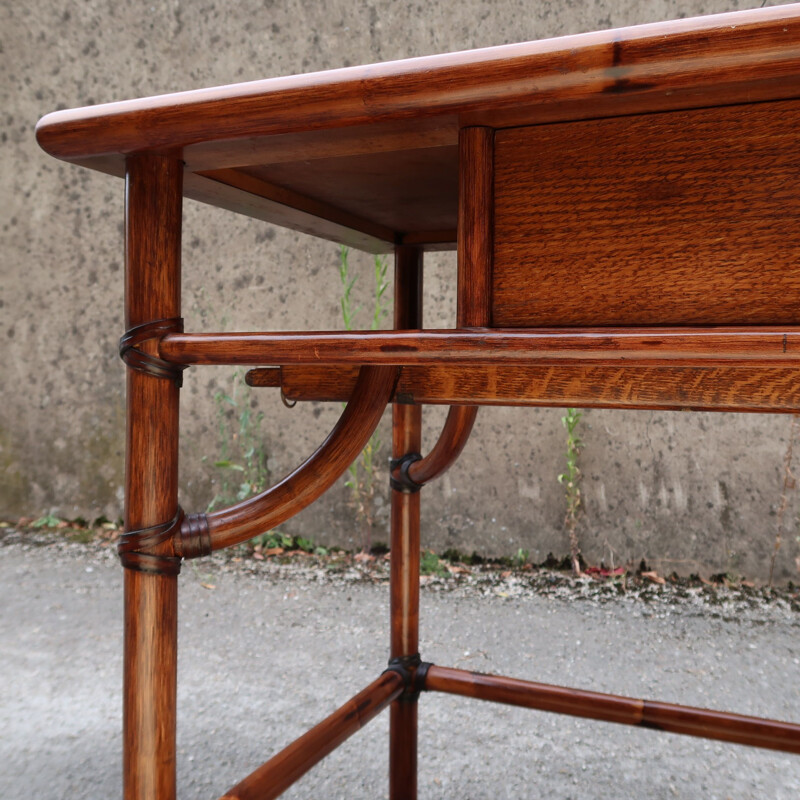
pixel 242 521
pixel 454 436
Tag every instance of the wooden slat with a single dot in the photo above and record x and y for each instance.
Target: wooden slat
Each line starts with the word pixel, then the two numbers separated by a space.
pixel 289 211
pixel 772 389
pixel 686 218
pixel 402 191
pixel 475 184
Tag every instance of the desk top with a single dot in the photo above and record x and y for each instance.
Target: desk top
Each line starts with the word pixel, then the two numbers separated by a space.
pixel 368 155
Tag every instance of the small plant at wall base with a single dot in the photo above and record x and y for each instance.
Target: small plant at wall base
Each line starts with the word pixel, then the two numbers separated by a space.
pixel 361 480
pixel 789 484
pixel 242 463
pixel 570 479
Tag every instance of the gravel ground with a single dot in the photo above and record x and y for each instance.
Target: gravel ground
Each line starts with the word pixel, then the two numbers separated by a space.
pixel 255 636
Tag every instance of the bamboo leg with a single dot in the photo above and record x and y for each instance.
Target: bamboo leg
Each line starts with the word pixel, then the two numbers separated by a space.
pixel 702 722
pixel 275 776
pixel 153 218
pixel 405 543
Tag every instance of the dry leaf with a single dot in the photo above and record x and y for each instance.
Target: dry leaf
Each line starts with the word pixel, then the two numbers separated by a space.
pixel 653 576
pixel 272 551
pixel 258 557
pixel 208 585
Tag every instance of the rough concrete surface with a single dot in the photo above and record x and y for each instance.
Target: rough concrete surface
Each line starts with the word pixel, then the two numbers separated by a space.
pixel 689 492
pixel 265 653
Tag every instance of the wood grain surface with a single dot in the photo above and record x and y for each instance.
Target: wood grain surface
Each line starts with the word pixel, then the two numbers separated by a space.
pixel 768 389
pixel 374 144
pixel 706 723
pixel 475 226
pixel 152 292
pixel 404 542
pixel 615 346
pixel 749 55
pixel 265 511
pixel 274 777
pixel 684 218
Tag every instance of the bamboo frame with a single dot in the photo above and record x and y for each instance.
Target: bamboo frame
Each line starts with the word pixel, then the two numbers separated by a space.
pixel 389 110
pixel 240 522
pixel 153 234
pixel 452 440
pixel 705 723
pixel 151 599
pixel 405 545
pixel 643 346
pixel 276 775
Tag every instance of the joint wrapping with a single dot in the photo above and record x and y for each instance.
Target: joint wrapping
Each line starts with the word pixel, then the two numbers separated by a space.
pixel 133 548
pixel 195 536
pixel 413 671
pixel 136 359
pixel 399 479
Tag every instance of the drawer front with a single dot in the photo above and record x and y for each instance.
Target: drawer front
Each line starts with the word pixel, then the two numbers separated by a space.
pixel 681 218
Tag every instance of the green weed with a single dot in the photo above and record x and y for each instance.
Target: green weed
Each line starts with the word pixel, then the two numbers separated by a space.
pixel 47 521
pixel 431 564
pixel 362 472
pixel 571 482
pixel 242 463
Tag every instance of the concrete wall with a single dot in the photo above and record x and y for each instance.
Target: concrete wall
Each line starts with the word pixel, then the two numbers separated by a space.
pixel 689 492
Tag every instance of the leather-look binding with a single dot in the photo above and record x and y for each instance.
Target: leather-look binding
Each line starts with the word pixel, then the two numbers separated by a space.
pixel 195 537
pixel 136 359
pixel 399 479
pixel 413 671
pixel 133 547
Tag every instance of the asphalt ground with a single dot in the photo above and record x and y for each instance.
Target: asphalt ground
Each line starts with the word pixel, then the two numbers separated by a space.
pixel 268 650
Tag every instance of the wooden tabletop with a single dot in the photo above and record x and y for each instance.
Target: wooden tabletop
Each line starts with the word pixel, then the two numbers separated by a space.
pixel 368 155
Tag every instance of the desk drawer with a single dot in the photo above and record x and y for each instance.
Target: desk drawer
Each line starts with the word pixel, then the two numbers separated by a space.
pixel 678 218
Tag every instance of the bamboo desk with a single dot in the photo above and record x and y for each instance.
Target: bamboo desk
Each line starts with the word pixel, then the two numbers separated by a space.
pixel 624 205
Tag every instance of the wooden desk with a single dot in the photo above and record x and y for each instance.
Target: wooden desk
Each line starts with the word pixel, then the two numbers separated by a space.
pixel 624 205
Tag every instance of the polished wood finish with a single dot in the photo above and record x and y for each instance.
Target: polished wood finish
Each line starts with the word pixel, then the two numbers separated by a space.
pixel 644 262
pixel 245 195
pixel 275 776
pixel 452 440
pixel 749 54
pixel 773 389
pixel 661 219
pixel 645 346
pixel 399 107
pixel 473 307
pixel 405 543
pixel 267 510
pixel 708 724
pixel 152 291
pixel 475 226
pixel 384 187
